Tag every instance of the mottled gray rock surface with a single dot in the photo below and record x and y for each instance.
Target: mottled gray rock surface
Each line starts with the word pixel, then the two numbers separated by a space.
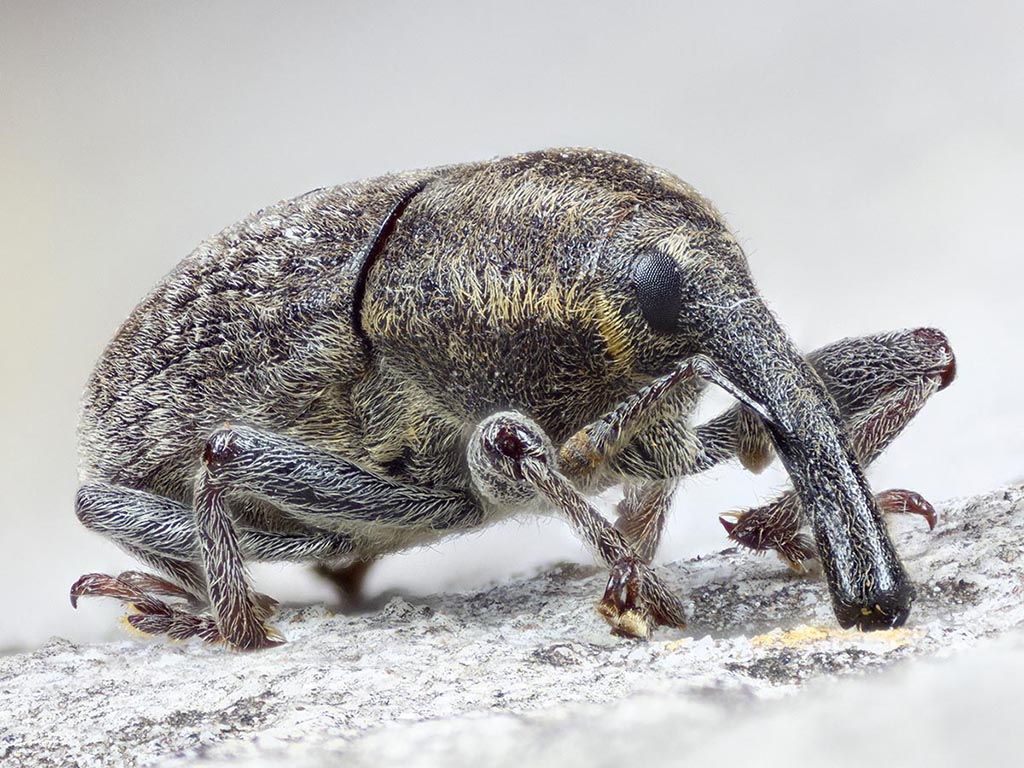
pixel 526 673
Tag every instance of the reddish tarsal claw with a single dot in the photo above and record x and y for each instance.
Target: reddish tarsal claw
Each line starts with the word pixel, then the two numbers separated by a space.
pixel 777 525
pixel 153 616
pixel 903 502
pixel 937 341
pixel 635 602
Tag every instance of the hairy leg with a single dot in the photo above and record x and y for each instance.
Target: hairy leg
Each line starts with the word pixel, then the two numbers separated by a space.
pixel 647 436
pixel 310 487
pixel 162 533
pixel 512 463
pixel 317 490
pixel 641 515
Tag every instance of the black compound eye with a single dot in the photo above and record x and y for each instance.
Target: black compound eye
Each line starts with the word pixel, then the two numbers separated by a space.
pixel 659 290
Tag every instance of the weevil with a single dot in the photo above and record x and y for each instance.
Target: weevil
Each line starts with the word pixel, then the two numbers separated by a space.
pixel 374 366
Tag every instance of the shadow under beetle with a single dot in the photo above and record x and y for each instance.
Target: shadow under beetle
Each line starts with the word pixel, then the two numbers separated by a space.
pixel 373 366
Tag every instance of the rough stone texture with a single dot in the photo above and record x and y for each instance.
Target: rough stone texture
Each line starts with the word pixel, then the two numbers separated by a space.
pixel 526 673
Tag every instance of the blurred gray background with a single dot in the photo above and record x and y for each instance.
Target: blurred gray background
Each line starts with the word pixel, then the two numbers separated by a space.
pixel 868 155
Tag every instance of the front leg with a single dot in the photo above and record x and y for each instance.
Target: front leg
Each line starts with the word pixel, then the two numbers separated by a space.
pixel 646 436
pixel 647 441
pixel 512 462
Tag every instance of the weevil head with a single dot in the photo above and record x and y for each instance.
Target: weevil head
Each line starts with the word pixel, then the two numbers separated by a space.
pixel 685 289
pixel 681 281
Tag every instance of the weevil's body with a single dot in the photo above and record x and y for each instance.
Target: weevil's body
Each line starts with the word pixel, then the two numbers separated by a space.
pixel 359 336
pixel 385 347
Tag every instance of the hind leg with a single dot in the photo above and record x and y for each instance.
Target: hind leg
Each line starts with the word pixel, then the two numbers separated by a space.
pixel 879 383
pixel 158 532
pixel 317 490
pixel 162 533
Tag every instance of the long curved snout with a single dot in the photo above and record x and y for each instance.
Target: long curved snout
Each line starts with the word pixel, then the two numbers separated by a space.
pixel 866 580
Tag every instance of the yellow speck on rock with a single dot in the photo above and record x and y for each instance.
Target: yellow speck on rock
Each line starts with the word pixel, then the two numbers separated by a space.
pixel 804 634
pixel 674 645
pixel 800 635
pixel 899 636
